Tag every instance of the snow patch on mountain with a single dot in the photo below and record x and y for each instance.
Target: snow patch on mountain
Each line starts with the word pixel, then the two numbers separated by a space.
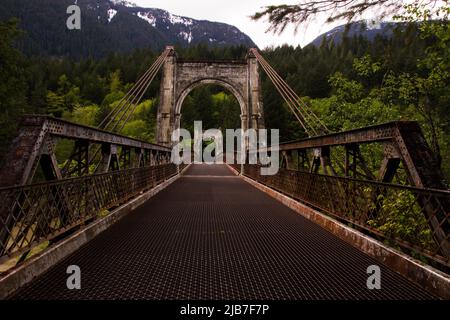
pixel 147 17
pixel 123 3
pixel 373 25
pixel 186 36
pixel 111 14
pixel 180 20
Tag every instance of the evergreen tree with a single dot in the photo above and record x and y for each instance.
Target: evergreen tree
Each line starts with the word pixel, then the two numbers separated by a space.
pixel 13 87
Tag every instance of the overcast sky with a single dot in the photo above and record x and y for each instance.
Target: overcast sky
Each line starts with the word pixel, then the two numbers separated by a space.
pixel 237 12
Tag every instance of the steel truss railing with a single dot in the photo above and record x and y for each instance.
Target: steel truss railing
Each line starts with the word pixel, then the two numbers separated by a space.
pixel 389 212
pixel 34 214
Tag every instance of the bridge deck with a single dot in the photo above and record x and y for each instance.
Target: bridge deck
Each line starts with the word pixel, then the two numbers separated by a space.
pixel 212 236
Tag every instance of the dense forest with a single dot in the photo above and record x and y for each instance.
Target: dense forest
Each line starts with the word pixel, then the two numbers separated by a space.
pixel 350 84
pixel 108 26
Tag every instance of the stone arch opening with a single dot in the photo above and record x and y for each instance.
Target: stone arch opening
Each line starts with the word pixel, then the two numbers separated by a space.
pixel 228 88
pixel 179 78
pixel 218 82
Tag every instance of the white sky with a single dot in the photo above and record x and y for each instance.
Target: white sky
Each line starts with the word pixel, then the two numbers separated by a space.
pixel 237 12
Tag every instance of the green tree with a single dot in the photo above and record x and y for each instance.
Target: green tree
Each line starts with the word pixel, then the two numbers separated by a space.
pixel 280 16
pixel 86 115
pixel 429 89
pixel 55 104
pixel 13 86
pixel 138 129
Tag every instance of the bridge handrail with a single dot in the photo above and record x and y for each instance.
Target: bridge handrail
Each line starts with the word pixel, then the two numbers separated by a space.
pixel 369 134
pixel 89 134
pixel 212 61
pixel 372 207
pixel 31 215
pixel 38 135
pixel 67 180
pixel 445 193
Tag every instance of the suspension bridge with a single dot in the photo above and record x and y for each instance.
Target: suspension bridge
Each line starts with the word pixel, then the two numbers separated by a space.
pixel 140 227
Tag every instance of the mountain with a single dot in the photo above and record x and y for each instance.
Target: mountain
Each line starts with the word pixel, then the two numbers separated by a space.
pixel 367 29
pixel 111 26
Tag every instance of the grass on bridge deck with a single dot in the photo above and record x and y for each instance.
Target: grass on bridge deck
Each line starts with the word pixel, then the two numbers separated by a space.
pixel 210 235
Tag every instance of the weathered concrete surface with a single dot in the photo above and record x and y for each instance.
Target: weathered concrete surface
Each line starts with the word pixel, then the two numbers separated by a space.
pixel 241 78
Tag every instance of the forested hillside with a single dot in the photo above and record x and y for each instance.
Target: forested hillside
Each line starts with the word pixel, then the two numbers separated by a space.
pixel 110 26
pixel 351 84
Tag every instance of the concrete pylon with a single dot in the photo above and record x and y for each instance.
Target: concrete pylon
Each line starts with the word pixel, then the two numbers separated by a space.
pixel 179 78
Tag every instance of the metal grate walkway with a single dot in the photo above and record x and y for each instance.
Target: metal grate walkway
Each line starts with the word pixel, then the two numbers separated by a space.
pixel 215 238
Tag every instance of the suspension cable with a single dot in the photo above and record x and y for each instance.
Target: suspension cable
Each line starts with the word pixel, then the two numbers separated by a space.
pixel 306 117
pixel 293 98
pixel 115 110
pixel 136 104
pixel 144 82
pixel 313 117
pixel 132 103
pixel 291 104
pixel 131 99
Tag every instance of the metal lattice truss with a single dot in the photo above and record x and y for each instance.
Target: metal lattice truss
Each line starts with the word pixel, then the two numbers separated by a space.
pixel 75 190
pixel 34 147
pixel 332 162
pixel 373 207
pixel 34 214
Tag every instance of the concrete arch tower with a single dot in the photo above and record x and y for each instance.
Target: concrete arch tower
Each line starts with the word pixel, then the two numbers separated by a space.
pixel 179 78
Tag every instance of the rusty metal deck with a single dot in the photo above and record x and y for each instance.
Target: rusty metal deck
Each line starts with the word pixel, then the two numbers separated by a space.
pixel 211 237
